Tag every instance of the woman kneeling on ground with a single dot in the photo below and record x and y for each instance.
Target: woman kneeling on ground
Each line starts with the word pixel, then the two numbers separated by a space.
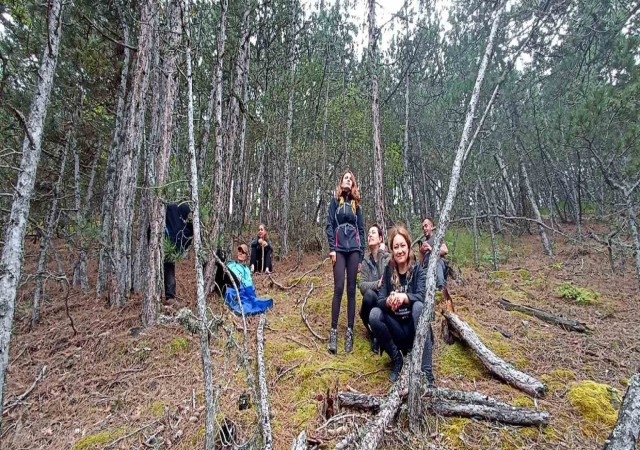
pixel 400 302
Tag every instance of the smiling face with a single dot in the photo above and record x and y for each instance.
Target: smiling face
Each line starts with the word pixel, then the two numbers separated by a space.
pixel 427 227
pixel 374 239
pixel 400 249
pixel 347 181
pixel 262 231
pixel 242 254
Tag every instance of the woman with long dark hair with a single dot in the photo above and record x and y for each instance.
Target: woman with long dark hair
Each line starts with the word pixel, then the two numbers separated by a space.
pixel 345 232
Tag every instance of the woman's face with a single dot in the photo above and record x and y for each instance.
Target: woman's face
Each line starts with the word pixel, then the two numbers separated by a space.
pixel 347 181
pixel 400 250
pixel 373 238
pixel 242 256
pixel 262 232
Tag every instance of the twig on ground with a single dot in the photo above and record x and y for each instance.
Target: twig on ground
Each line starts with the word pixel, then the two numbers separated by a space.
pixel 274 382
pixel 304 317
pixel 122 438
pixel 10 405
pixel 286 288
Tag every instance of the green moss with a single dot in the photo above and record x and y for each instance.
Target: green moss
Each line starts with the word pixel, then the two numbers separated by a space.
pixel 580 295
pixel 453 429
pixel 156 408
pixel 457 360
pixel 178 345
pixel 596 402
pixel 523 401
pixel 558 379
pixel 304 413
pixel 298 353
pixel 524 275
pixel 307 279
pixel 499 274
pixel 98 440
pixel 558 265
pixel 511 294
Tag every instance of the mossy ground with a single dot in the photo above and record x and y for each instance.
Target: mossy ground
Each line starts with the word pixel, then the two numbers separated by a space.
pixel 117 377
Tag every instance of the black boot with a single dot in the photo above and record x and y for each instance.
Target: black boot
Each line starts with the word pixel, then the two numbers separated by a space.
pixel 348 343
pixel 375 345
pixel 333 341
pixel 396 361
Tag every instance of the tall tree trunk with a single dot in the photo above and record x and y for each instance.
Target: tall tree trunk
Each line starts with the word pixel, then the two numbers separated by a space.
pixel 286 195
pixel 12 251
pixel 378 160
pixel 510 197
pixel 106 210
pixel 45 241
pixel 633 226
pixel 197 246
pixel 80 267
pixel 120 273
pixel 534 207
pixel 162 151
pixel 218 197
pixel 426 317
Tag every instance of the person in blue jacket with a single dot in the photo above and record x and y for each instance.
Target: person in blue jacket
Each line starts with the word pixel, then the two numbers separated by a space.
pixel 345 232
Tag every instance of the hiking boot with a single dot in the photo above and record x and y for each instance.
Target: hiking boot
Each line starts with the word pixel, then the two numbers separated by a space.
pixel 396 361
pixel 333 341
pixel 348 343
pixel 375 345
pixel 429 380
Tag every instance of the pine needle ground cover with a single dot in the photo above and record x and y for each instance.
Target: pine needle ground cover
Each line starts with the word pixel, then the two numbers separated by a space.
pixel 116 382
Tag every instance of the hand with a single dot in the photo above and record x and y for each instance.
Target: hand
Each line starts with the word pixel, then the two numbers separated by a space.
pixel 252 268
pixel 379 283
pixel 332 255
pixel 261 242
pixel 359 267
pixel 425 247
pixel 391 301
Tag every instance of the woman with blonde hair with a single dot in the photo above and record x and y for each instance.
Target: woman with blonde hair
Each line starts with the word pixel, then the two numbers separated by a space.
pixel 345 233
pixel 400 302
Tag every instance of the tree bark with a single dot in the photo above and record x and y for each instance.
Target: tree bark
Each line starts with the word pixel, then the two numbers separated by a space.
pixel 494 364
pixel 567 324
pixel 625 433
pixel 503 413
pixel 205 352
pixel 427 314
pixel 12 251
pixel 534 207
pixel 265 420
pixel 80 268
pixel 300 442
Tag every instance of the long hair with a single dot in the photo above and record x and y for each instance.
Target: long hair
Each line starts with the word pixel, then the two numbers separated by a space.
pixel 395 276
pixel 265 229
pixel 355 193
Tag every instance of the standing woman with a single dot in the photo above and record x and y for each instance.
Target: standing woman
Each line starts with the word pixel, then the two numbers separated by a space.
pixel 261 251
pixel 345 232
pixel 400 303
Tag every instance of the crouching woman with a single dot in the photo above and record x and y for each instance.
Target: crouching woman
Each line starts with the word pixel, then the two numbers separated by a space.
pixel 400 302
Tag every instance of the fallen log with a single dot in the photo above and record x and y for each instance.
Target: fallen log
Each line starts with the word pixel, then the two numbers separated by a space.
pixel 567 324
pixel 499 413
pixel 625 433
pixel 492 362
pixel 265 421
pixel 449 402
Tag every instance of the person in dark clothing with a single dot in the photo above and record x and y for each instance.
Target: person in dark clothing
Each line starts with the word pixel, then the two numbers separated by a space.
pixel 345 232
pixel 179 231
pixel 426 247
pixel 400 302
pixel 261 252
pixel 371 278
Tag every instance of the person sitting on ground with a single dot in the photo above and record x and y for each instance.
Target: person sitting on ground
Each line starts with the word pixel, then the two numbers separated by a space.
pixel 400 302
pixel 261 252
pixel 179 232
pixel 371 278
pixel 237 271
pixel 426 247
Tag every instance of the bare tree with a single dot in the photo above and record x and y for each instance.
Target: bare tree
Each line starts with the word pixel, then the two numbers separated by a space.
pixel 12 252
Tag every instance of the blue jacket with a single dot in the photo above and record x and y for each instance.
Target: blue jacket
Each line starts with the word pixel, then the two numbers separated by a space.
pixel 345 228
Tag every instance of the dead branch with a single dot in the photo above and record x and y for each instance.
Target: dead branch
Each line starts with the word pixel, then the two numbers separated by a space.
pixel 120 439
pixel 500 413
pixel 300 442
pixel 625 433
pixel 286 288
pixel 12 404
pixel 492 362
pixel 265 420
pixel 304 316
pixel 567 324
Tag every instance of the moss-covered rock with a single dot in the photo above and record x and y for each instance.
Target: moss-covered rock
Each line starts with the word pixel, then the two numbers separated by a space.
pixel 596 402
pixel 98 440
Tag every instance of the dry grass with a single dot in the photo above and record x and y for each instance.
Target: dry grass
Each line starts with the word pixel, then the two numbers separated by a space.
pixel 113 378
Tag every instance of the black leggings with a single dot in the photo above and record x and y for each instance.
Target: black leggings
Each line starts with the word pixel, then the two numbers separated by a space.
pixel 369 301
pixel 344 262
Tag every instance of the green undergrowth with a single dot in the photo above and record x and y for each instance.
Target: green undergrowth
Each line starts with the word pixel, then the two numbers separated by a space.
pixel 453 431
pixel 460 244
pixel 316 280
pixel 99 440
pixel 580 295
pixel 156 408
pixel 558 380
pixel 597 403
pixel 178 345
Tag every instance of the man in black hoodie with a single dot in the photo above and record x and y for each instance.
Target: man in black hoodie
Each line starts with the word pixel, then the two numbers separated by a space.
pixel 179 230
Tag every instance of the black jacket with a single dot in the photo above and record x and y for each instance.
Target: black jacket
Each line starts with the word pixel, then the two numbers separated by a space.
pixel 345 228
pixel 416 290
pixel 179 225
pixel 258 257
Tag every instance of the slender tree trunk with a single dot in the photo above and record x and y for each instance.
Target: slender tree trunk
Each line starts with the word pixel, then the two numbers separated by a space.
pixel 45 241
pixel 510 197
pixel 80 267
pixel 197 245
pixel 106 210
pixel 218 196
pixel 633 226
pixel 120 274
pixel 12 251
pixel 94 168
pixel 378 160
pixel 476 258
pixel 286 195
pixel 425 319
pixel 534 207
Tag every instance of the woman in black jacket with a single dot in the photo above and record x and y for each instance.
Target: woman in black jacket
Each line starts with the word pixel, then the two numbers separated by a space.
pixel 261 251
pixel 400 302
pixel 345 232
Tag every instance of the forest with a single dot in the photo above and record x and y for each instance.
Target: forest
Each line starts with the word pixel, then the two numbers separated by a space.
pixel 514 125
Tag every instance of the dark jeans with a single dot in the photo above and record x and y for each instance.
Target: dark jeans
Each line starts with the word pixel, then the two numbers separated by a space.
pixel 388 329
pixel 345 262
pixel 369 300
pixel 169 280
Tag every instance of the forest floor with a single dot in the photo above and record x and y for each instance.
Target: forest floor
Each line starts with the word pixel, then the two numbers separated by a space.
pixel 115 385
